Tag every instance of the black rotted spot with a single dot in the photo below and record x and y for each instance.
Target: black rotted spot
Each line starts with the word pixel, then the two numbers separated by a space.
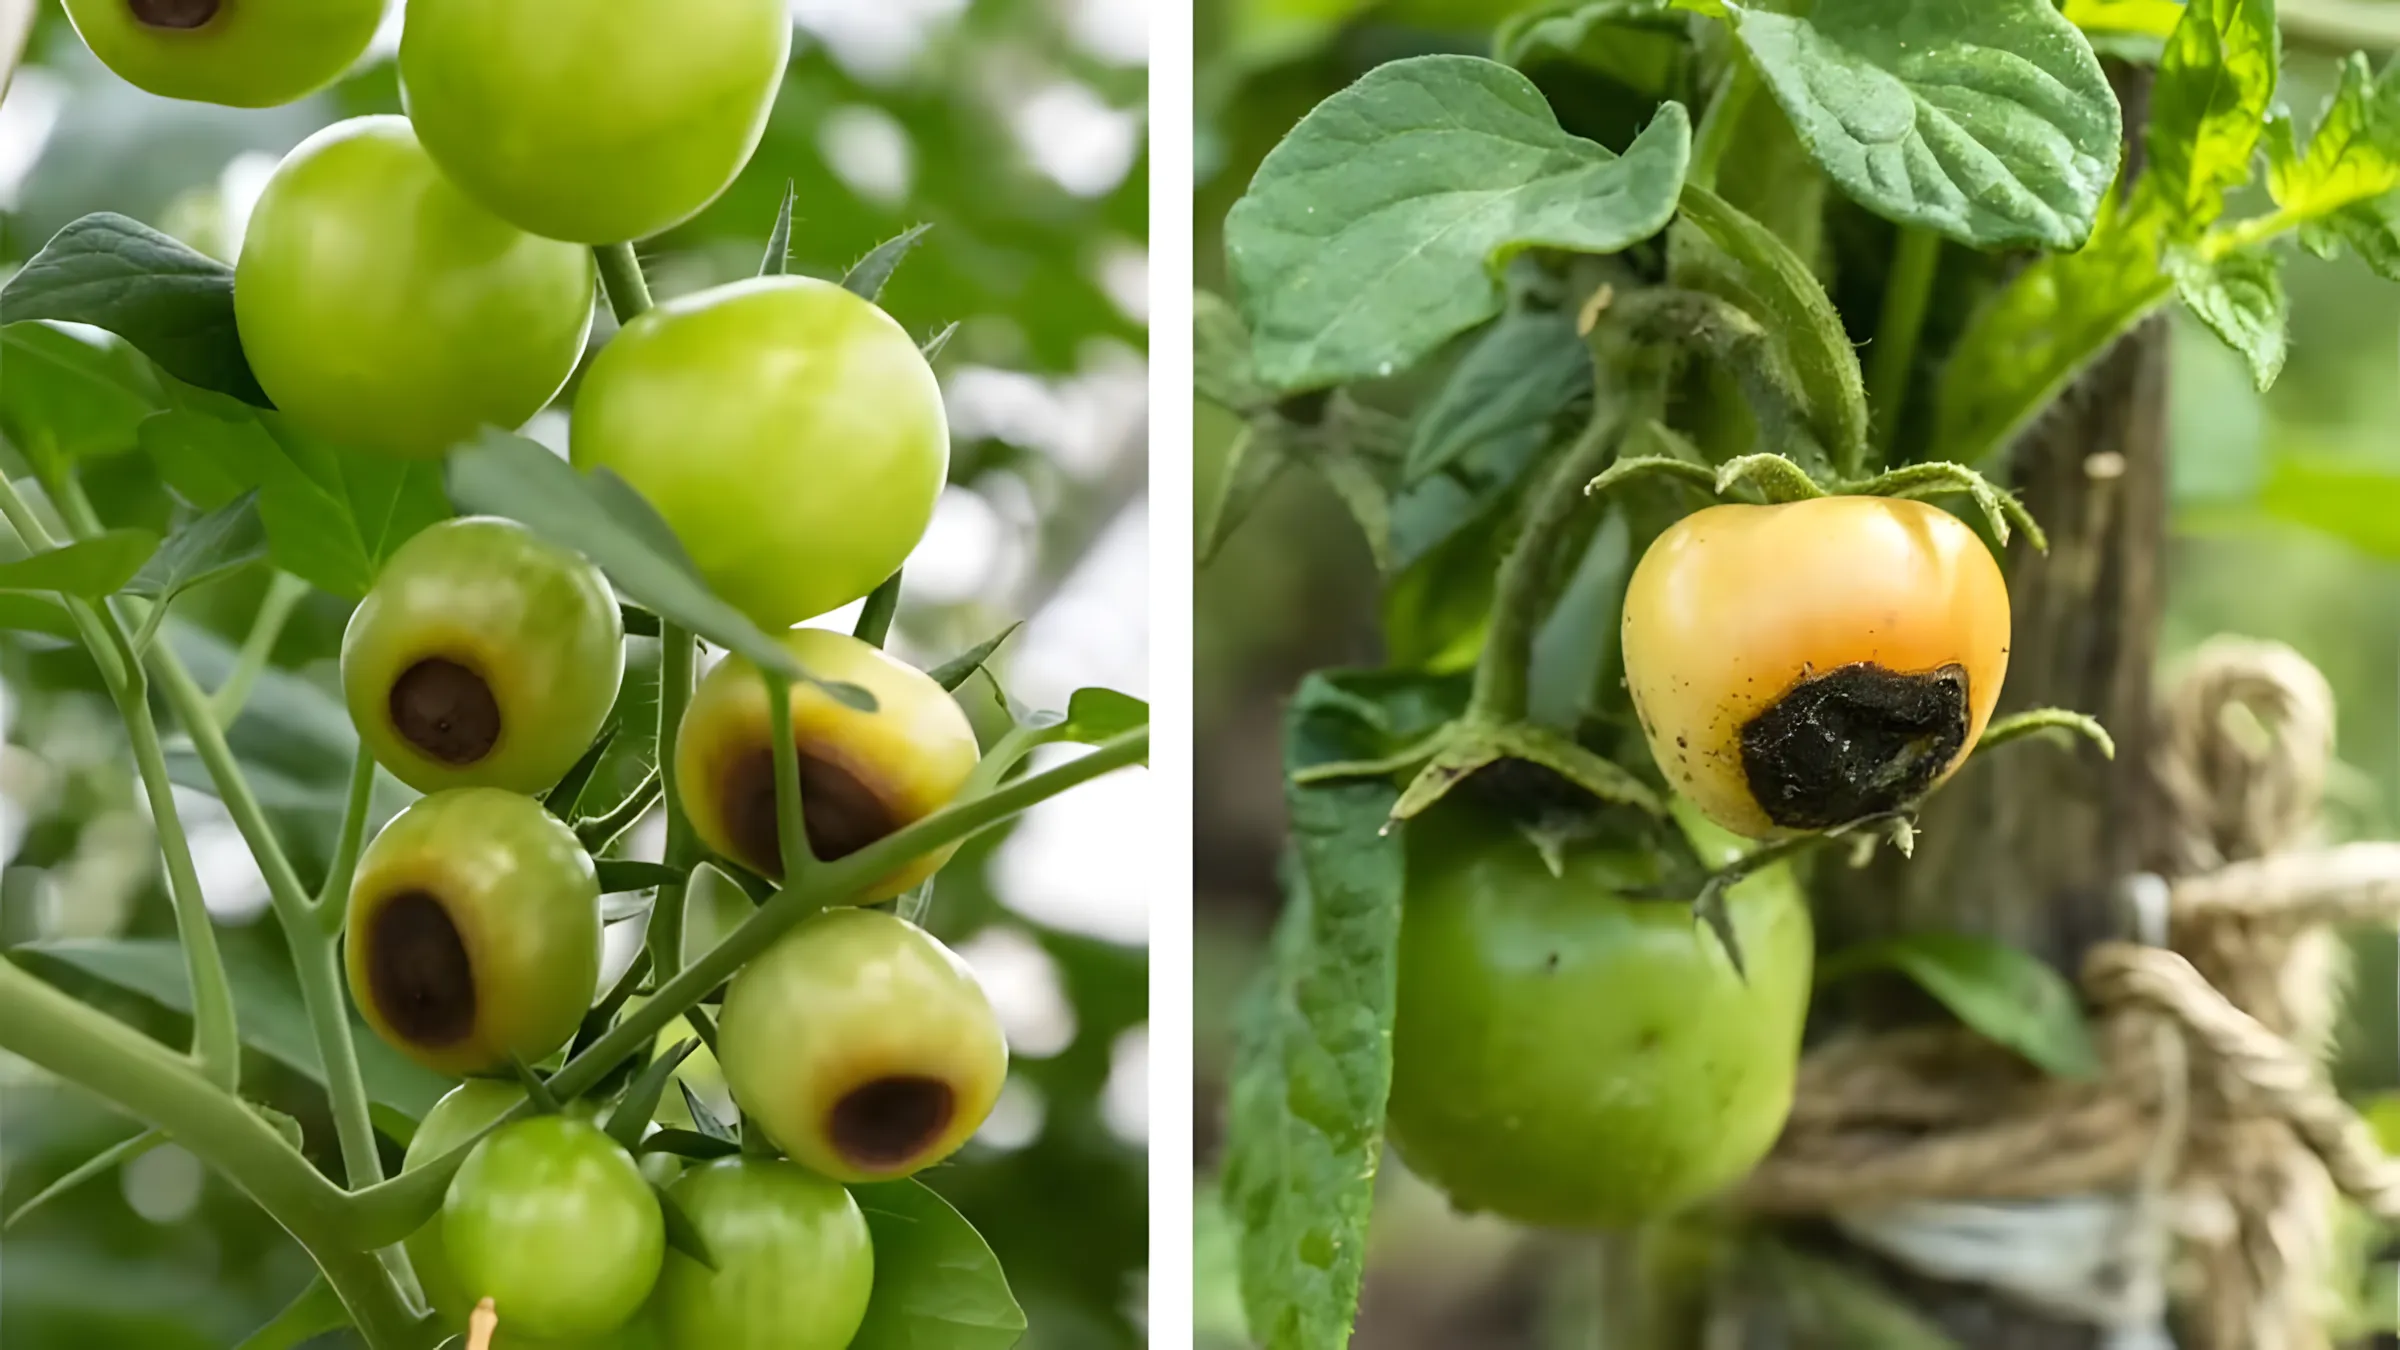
pixel 888 1122
pixel 844 814
pixel 174 13
pixel 445 710
pixel 1853 742
pixel 418 971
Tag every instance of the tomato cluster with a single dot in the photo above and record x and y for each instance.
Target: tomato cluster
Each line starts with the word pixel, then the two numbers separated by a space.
pixel 408 280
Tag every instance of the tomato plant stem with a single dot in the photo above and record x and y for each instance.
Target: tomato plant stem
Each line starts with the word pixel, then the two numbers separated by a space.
pixel 98 1052
pixel 334 896
pixel 1908 291
pixel 284 595
pixel 216 1039
pixel 1524 585
pixel 621 276
pixel 1719 123
pixel 665 935
pixel 386 1213
pixel 791 815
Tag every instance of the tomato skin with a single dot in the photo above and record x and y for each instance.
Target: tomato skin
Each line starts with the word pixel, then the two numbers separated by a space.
pixel 537 625
pixel 552 1220
pixel 1735 608
pixel 850 1004
pixel 789 431
pixel 250 54
pixel 890 767
pixel 503 91
pixel 474 931
pixel 795 1264
pixel 383 310
pixel 1563 1055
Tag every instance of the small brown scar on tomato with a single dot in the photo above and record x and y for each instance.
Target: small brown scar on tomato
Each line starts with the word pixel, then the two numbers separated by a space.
pixel 843 814
pixel 888 1122
pixel 445 710
pixel 418 970
pixel 1853 742
pixel 174 13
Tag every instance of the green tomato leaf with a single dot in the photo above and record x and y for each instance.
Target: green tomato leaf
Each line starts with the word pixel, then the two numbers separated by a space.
pixel 1486 426
pixel 315 1312
pixel 223 541
pixel 932 350
pixel 707 1121
pixel 868 276
pixel 682 1234
pixel 2353 155
pixel 1223 372
pixel 566 795
pixel 2125 18
pixel 1376 231
pixel 2216 81
pixel 640 1102
pixel 1641 44
pixel 172 302
pixel 2007 994
pixel 603 518
pixel 1258 456
pixel 1991 123
pixel 1312 1039
pixel 274 1021
pixel 1095 715
pixel 690 1144
pixel 2045 326
pixel 937 1284
pixel 36 614
pixel 68 392
pixel 2372 231
pixel 628 874
pixel 778 261
pixel 2240 297
pixel 954 672
pixel 92 568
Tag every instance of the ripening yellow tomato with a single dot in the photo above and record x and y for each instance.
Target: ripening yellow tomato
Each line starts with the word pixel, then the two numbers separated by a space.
pixel 1802 666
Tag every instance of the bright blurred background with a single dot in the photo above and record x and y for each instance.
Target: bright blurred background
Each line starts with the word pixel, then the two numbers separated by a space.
pixel 2286 526
pixel 1016 128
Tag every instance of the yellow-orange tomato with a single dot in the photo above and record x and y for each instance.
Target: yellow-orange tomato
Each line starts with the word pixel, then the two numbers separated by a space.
pixel 1798 667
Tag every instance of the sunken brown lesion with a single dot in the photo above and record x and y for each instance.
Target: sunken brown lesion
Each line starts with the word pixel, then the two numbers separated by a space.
pixel 890 1122
pixel 1854 742
pixel 181 14
pixel 843 814
pixel 446 710
pixel 418 970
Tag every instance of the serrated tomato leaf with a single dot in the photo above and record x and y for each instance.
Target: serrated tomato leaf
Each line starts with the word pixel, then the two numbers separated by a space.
pixel 870 274
pixel 2240 298
pixel 2216 82
pixel 2008 995
pixel 225 540
pixel 91 569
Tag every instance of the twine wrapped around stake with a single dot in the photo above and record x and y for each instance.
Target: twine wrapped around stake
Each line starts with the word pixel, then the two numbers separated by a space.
pixel 2211 1112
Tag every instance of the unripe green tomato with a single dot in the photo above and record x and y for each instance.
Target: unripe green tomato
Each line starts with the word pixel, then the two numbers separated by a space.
pixel 485 656
pixel 789 431
pixel 551 1220
pixel 863 1046
pixel 506 95
pixel 1566 1054
pixel 243 53
pixel 863 775
pixel 794 1261
pixel 454 1120
pixel 474 931
pixel 382 309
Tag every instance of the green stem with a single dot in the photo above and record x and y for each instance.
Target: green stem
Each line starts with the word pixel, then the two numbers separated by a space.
pixel 791 817
pixel 598 832
pixel 621 276
pixel 319 967
pixel 675 653
pixel 216 1039
pixel 875 620
pixel 1908 293
pixel 1721 121
pixel 148 1081
pixel 389 1212
pixel 1524 584
pixel 284 594
pixel 333 897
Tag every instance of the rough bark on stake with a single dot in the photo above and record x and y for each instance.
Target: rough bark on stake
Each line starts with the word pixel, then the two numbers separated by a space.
pixel 2028 845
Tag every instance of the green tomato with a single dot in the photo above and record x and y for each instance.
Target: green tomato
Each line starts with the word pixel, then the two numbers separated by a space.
pixel 474 931
pixel 552 1221
pixel 244 53
pixel 863 775
pixel 1566 1054
pixel 794 1262
pixel 380 308
pixel 789 431
pixel 456 1118
pixel 862 1046
pixel 598 123
pixel 485 656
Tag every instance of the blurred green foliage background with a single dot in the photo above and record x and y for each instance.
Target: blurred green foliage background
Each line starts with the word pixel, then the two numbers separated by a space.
pixel 2286 526
pixel 1015 127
